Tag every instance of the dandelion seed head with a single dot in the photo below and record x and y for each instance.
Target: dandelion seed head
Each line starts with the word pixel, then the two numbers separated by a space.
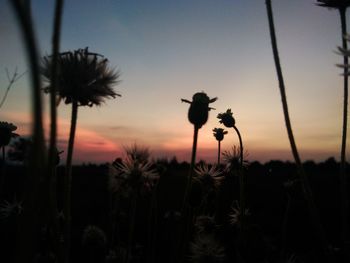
pixel 94 236
pixel 205 224
pixel 207 249
pixel 236 214
pixel 9 209
pixel 209 176
pixel 83 77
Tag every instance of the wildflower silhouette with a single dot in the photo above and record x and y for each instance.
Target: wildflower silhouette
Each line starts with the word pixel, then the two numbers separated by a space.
pixel 342 5
pixel 9 209
pixel 206 224
pixel 232 158
pixel 226 118
pixel 236 214
pixel 129 178
pixel 206 248
pixel 209 176
pixel 219 134
pixel 6 133
pixel 314 217
pixel 84 79
pixel 198 116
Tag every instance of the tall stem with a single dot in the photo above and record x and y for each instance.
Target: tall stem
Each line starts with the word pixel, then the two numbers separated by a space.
pixel 315 219
pixel 219 151
pixel 241 177
pixel 29 222
pixel 193 162
pixel 343 177
pixel 68 182
pixel 51 178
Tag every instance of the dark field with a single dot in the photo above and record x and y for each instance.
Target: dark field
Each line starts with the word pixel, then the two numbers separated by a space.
pixel 277 229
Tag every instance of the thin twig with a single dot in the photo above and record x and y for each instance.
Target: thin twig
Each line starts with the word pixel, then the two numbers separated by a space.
pixel 11 81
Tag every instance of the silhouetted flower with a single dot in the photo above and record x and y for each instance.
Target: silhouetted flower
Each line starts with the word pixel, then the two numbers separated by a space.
pixel 232 158
pixel 198 111
pixel 93 236
pixel 209 176
pixel 8 209
pixel 206 248
pixel 205 224
pixel 219 133
pixel 227 119
pixel 138 153
pixel 131 175
pixel 334 3
pixel 6 133
pixel 236 214
pixel 83 77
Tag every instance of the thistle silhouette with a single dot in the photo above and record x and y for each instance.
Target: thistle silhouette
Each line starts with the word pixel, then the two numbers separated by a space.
pixel 219 134
pixel 84 79
pixel 305 183
pixel 227 119
pixel 198 116
pixel 342 5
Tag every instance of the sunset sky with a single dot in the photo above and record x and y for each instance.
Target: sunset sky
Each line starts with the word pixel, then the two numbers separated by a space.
pixel 168 50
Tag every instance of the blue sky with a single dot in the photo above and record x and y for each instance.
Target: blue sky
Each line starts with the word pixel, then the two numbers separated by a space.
pixel 168 50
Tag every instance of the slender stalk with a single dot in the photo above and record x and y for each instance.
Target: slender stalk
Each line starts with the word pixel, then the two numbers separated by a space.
pixel 193 163
pixel 219 151
pixel 241 177
pixel 343 177
pixel 29 221
pixel 315 219
pixel 51 178
pixel 68 183
pixel 3 173
pixel 131 227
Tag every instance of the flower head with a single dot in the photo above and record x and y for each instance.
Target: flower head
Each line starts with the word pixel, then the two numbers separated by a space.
pixel 209 176
pixel 334 3
pixel 94 237
pixel 8 209
pixel 83 77
pixel 198 111
pixel 6 133
pixel 205 224
pixel 227 119
pixel 131 175
pixel 206 248
pixel 219 133
pixel 232 158
pixel 236 214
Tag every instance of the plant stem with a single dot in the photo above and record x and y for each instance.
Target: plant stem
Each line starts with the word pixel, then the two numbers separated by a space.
pixel 219 151
pixel 315 219
pixel 51 178
pixel 193 162
pixel 29 221
pixel 131 227
pixel 241 177
pixel 68 183
pixel 343 176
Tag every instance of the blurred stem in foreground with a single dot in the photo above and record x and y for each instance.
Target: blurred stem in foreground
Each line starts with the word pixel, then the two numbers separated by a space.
pixel 52 159
pixel 314 216
pixel 343 176
pixel 30 220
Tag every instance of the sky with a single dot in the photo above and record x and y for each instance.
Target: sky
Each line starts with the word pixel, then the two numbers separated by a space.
pixel 168 50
